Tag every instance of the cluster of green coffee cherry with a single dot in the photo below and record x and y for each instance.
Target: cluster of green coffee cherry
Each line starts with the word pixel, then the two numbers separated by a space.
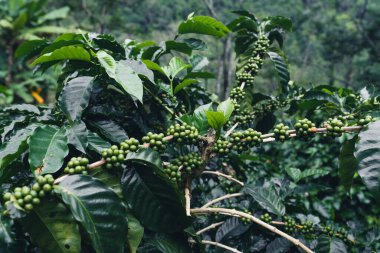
pixel 155 141
pixel 242 119
pixel 254 64
pixel 183 133
pixel 222 146
pixel 190 161
pixel 77 165
pixel 365 121
pixel 246 221
pixel 262 44
pixel 173 170
pixel 281 132
pixel 245 78
pixel 27 197
pixel 237 94
pixel 266 218
pixel 306 227
pixel 334 127
pixel 304 128
pixel 339 232
pixel 289 224
pixel 186 163
pixel 114 157
pixel 243 140
pixel 130 145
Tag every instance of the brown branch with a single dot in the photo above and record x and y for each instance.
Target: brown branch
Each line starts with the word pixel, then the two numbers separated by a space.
pixel 217 244
pixel 212 226
pixel 227 196
pixel 232 212
pixel 224 175
pixel 188 195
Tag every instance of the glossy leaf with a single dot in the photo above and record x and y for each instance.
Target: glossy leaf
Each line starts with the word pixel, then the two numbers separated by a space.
pixel 77 136
pixel 47 149
pixel 110 129
pixel 367 153
pixel 328 244
pixel 267 198
pixel 150 195
pixel 347 163
pixel 203 25
pixel 281 68
pixel 24 108
pixel 169 244
pixel 98 209
pixel 176 65
pixel 8 128
pixel 154 66
pixel 75 96
pixel 227 107
pixel 15 146
pixel 64 53
pixel 232 227
pixel 109 179
pixel 183 84
pixel 129 80
pixel 96 143
pixel 52 228
pixel 215 119
pixel 107 62
pixel 135 233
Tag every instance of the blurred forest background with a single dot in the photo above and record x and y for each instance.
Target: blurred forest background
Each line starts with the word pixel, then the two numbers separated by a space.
pixel 333 42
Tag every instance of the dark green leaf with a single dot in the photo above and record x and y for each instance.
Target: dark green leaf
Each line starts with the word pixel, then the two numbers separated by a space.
pixel 64 53
pixel 52 228
pixel 77 136
pixel 178 46
pixel 152 198
pixel 267 198
pixel 110 180
pixel 328 244
pixel 47 149
pixel 169 244
pixel 203 25
pixel 281 67
pixel 183 84
pixel 15 146
pixel 367 154
pixel 8 128
pixel 28 47
pixel 75 96
pixel 195 44
pixel 347 163
pixel 23 108
pixel 110 130
pixel 135 233
pixel 232 227
pixel 277 22
pixel 129 80
pixel 98 209
pixel 96 143
pixel 278 245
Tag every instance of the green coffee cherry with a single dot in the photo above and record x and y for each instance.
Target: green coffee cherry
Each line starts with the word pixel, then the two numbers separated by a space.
pixel 222 146
pixel 281 132
pixel 155 141
pixel 190 162
pixel 246 78
pixel 183 133
pixel 304 128
pixel 366 120
pixel 290 224
pixel 173 171
pixel 115 156
pixel 334 127
pixel 246 221
pixel 76 165
pixel 266 218
pixel 130 145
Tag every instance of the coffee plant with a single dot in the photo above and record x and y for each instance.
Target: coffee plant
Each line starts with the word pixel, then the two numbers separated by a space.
pixel 135 156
